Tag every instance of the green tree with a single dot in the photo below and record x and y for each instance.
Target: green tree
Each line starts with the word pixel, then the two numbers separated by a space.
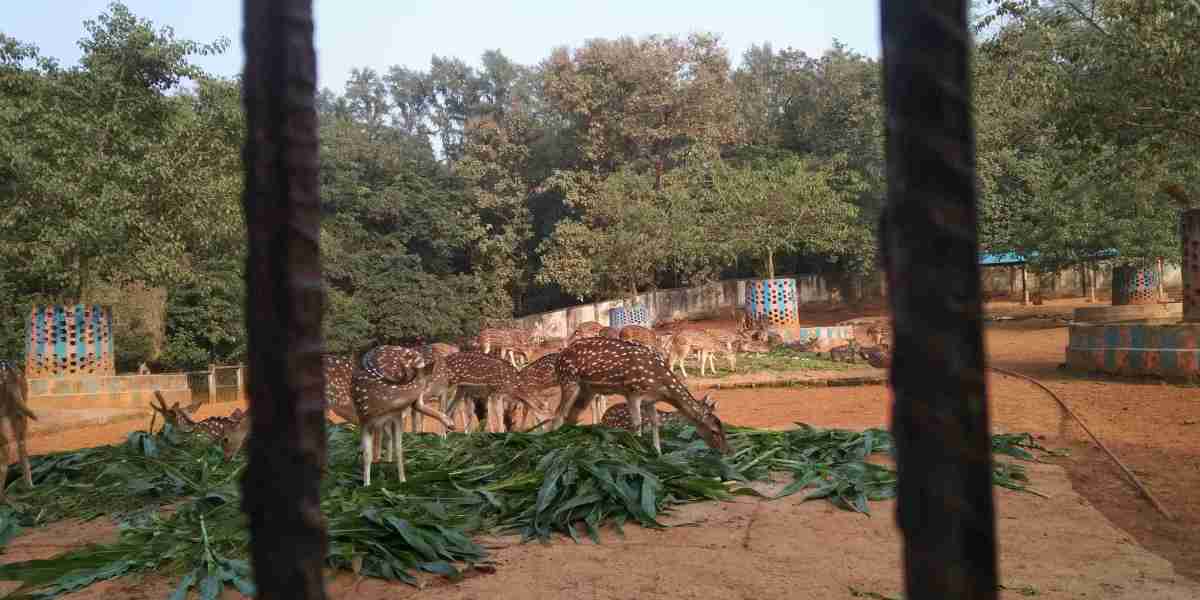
pixel 96 152
pixel 792 205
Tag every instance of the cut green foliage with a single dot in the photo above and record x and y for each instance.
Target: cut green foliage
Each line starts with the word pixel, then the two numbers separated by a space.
pixel 571 482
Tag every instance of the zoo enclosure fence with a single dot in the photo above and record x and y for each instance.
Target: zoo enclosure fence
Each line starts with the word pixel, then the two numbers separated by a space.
pixel 220 383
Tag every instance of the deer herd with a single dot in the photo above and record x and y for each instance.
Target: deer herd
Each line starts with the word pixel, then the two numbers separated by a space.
pixel 498 384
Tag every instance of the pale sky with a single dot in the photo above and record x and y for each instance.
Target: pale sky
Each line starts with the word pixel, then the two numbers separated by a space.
pixel 382 33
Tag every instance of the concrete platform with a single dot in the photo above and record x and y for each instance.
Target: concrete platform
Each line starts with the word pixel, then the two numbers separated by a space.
pixel 1167 311
pixel 1170 350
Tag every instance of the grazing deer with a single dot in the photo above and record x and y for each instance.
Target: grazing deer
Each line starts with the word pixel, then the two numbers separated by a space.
pixel 878 356
pixel 14 409
pixel 734 343
pixel 619 417
pixel 478 375
pixel 393 379
pixel 534 378
pixel 606 366
pixel 180 418
pixel 234 437
pixel 845 353
pixel 682 345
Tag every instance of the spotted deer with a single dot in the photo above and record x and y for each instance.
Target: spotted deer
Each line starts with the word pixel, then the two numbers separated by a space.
pixel 391 380
pixel 619 417
pixel 180 418
pixel 607 366
pixel 510 342
pixel 339 375
pixel 543 348
pixel 476 375
pixel 14 409
pixel 642 335
pixel 733 343
pixel 584 330
pixel 532 380
pixel 682 345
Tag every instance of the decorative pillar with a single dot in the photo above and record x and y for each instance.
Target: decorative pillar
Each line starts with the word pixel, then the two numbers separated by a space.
pixel 69 341
pixel 620 316
pixel 1190 233
pixel 773 301
pixel 1134 285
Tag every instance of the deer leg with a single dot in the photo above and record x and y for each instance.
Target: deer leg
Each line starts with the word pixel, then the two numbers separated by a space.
pixel 655 422
pixel 495 404
pixel 398 446
pixel 634 404
pixel 422 409
pixel 416 420
pixel 570 394
pixel 18 426
pixel 367 448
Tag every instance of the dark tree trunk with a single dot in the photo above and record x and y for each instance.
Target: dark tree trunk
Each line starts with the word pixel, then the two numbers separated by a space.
pixel 284 302
pixel 929 235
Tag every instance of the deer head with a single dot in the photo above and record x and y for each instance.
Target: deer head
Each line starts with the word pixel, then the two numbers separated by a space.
pixel 712 430
pixel 235 437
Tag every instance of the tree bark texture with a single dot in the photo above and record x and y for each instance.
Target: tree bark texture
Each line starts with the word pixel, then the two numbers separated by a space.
pixel 284 302
pixel 929 242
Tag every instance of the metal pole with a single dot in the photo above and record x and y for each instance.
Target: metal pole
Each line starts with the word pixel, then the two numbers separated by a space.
pixel 929 242
pixel 284 302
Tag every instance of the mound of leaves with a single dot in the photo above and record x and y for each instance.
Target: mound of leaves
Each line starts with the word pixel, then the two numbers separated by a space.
pixel 571 481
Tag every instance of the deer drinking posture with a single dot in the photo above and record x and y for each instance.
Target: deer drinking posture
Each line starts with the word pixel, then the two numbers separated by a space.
pixel 607 366
pixel 14 394
pixel 478 375
pixel 392 380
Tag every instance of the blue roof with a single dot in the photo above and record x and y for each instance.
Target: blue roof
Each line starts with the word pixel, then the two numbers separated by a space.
pixel 1012 258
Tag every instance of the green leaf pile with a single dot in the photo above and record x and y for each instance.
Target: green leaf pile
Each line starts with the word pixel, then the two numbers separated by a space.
pixel 571 481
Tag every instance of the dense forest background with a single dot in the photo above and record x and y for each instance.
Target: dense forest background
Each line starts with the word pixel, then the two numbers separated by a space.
pixel 482 189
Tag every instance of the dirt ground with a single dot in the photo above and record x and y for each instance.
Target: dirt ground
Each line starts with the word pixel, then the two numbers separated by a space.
pixel 1094 537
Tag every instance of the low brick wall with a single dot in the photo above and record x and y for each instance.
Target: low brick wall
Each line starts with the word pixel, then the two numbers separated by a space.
pixel 114 391
pixel 1170 351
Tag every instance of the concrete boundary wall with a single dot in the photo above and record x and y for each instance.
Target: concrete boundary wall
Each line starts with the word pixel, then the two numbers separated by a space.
pixel 112 391
pixel 671 304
